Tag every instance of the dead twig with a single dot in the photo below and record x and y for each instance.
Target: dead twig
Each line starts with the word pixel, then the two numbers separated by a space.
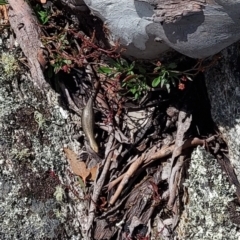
pixel 184 122
pixel 173 181
pixel 100 181
pixel 165 151
pixel 134 166
pixel 114 182
pixel 168 150
pixel 113 52
pixel 27 30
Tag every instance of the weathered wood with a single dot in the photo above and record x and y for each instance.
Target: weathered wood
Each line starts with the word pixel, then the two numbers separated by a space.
pixel 27 30
pixel 172 11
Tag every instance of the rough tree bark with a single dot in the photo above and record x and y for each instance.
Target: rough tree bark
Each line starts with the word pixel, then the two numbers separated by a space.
pixel 28 31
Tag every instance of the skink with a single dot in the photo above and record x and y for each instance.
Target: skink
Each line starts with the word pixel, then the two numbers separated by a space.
pixel 88 124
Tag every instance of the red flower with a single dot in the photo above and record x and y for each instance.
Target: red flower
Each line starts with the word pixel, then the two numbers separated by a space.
pixel 66 69
pixel 181 86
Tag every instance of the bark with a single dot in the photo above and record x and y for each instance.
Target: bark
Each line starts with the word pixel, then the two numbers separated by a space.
pixel 173 11
pixel 28 32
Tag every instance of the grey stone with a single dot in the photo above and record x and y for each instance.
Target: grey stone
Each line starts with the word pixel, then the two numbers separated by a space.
pixel 201 33
pixel 223 86
pixel 206 211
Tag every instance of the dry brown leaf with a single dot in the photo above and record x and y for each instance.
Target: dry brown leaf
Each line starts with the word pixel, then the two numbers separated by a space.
pixel 4 12
pixel 93 172
pixel 78 167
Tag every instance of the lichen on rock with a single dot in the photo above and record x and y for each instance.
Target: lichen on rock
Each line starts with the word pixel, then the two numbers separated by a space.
pixel 33 131
pixel 222 82
pixel 206 214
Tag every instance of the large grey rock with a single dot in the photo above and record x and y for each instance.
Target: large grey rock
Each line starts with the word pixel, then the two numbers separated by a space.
pixel 205 214
pixel 223 86
pixel 147 28
pixel 127 22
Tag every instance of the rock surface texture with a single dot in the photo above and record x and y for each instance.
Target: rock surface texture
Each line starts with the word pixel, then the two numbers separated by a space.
pixel 223 83
pixel 148 28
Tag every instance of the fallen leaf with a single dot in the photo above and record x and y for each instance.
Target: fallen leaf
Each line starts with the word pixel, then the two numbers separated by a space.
pixel 4 12
pixel 78 167
pixel 93 172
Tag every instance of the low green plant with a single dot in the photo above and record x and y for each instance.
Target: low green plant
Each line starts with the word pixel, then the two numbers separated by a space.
pixel 118 67
pixel 59 63
pixel 134 78
pixel 136 84
pixel 167 76
pixel 43 15
pixel 2 2
pixel 137 79
pixel 58 60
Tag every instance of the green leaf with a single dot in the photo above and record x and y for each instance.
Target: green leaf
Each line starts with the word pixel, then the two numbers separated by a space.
pixel 163 80
pixel 156 81
pixel 164 74
pixel 118 66
pixel 43 15
pixel 133 90
pixel 131 66
pixel 67 61
pixel 130 73
pixel 2 2
pixel 168 87
pixel 62 37
pixel 105 70
pixel 136 96
pixel 115 74
pixel 56 69
pixel 130 85
pixel 174 74
pixel 124 84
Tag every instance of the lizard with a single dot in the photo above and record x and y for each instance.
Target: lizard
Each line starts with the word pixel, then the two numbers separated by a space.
pixel 88 120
